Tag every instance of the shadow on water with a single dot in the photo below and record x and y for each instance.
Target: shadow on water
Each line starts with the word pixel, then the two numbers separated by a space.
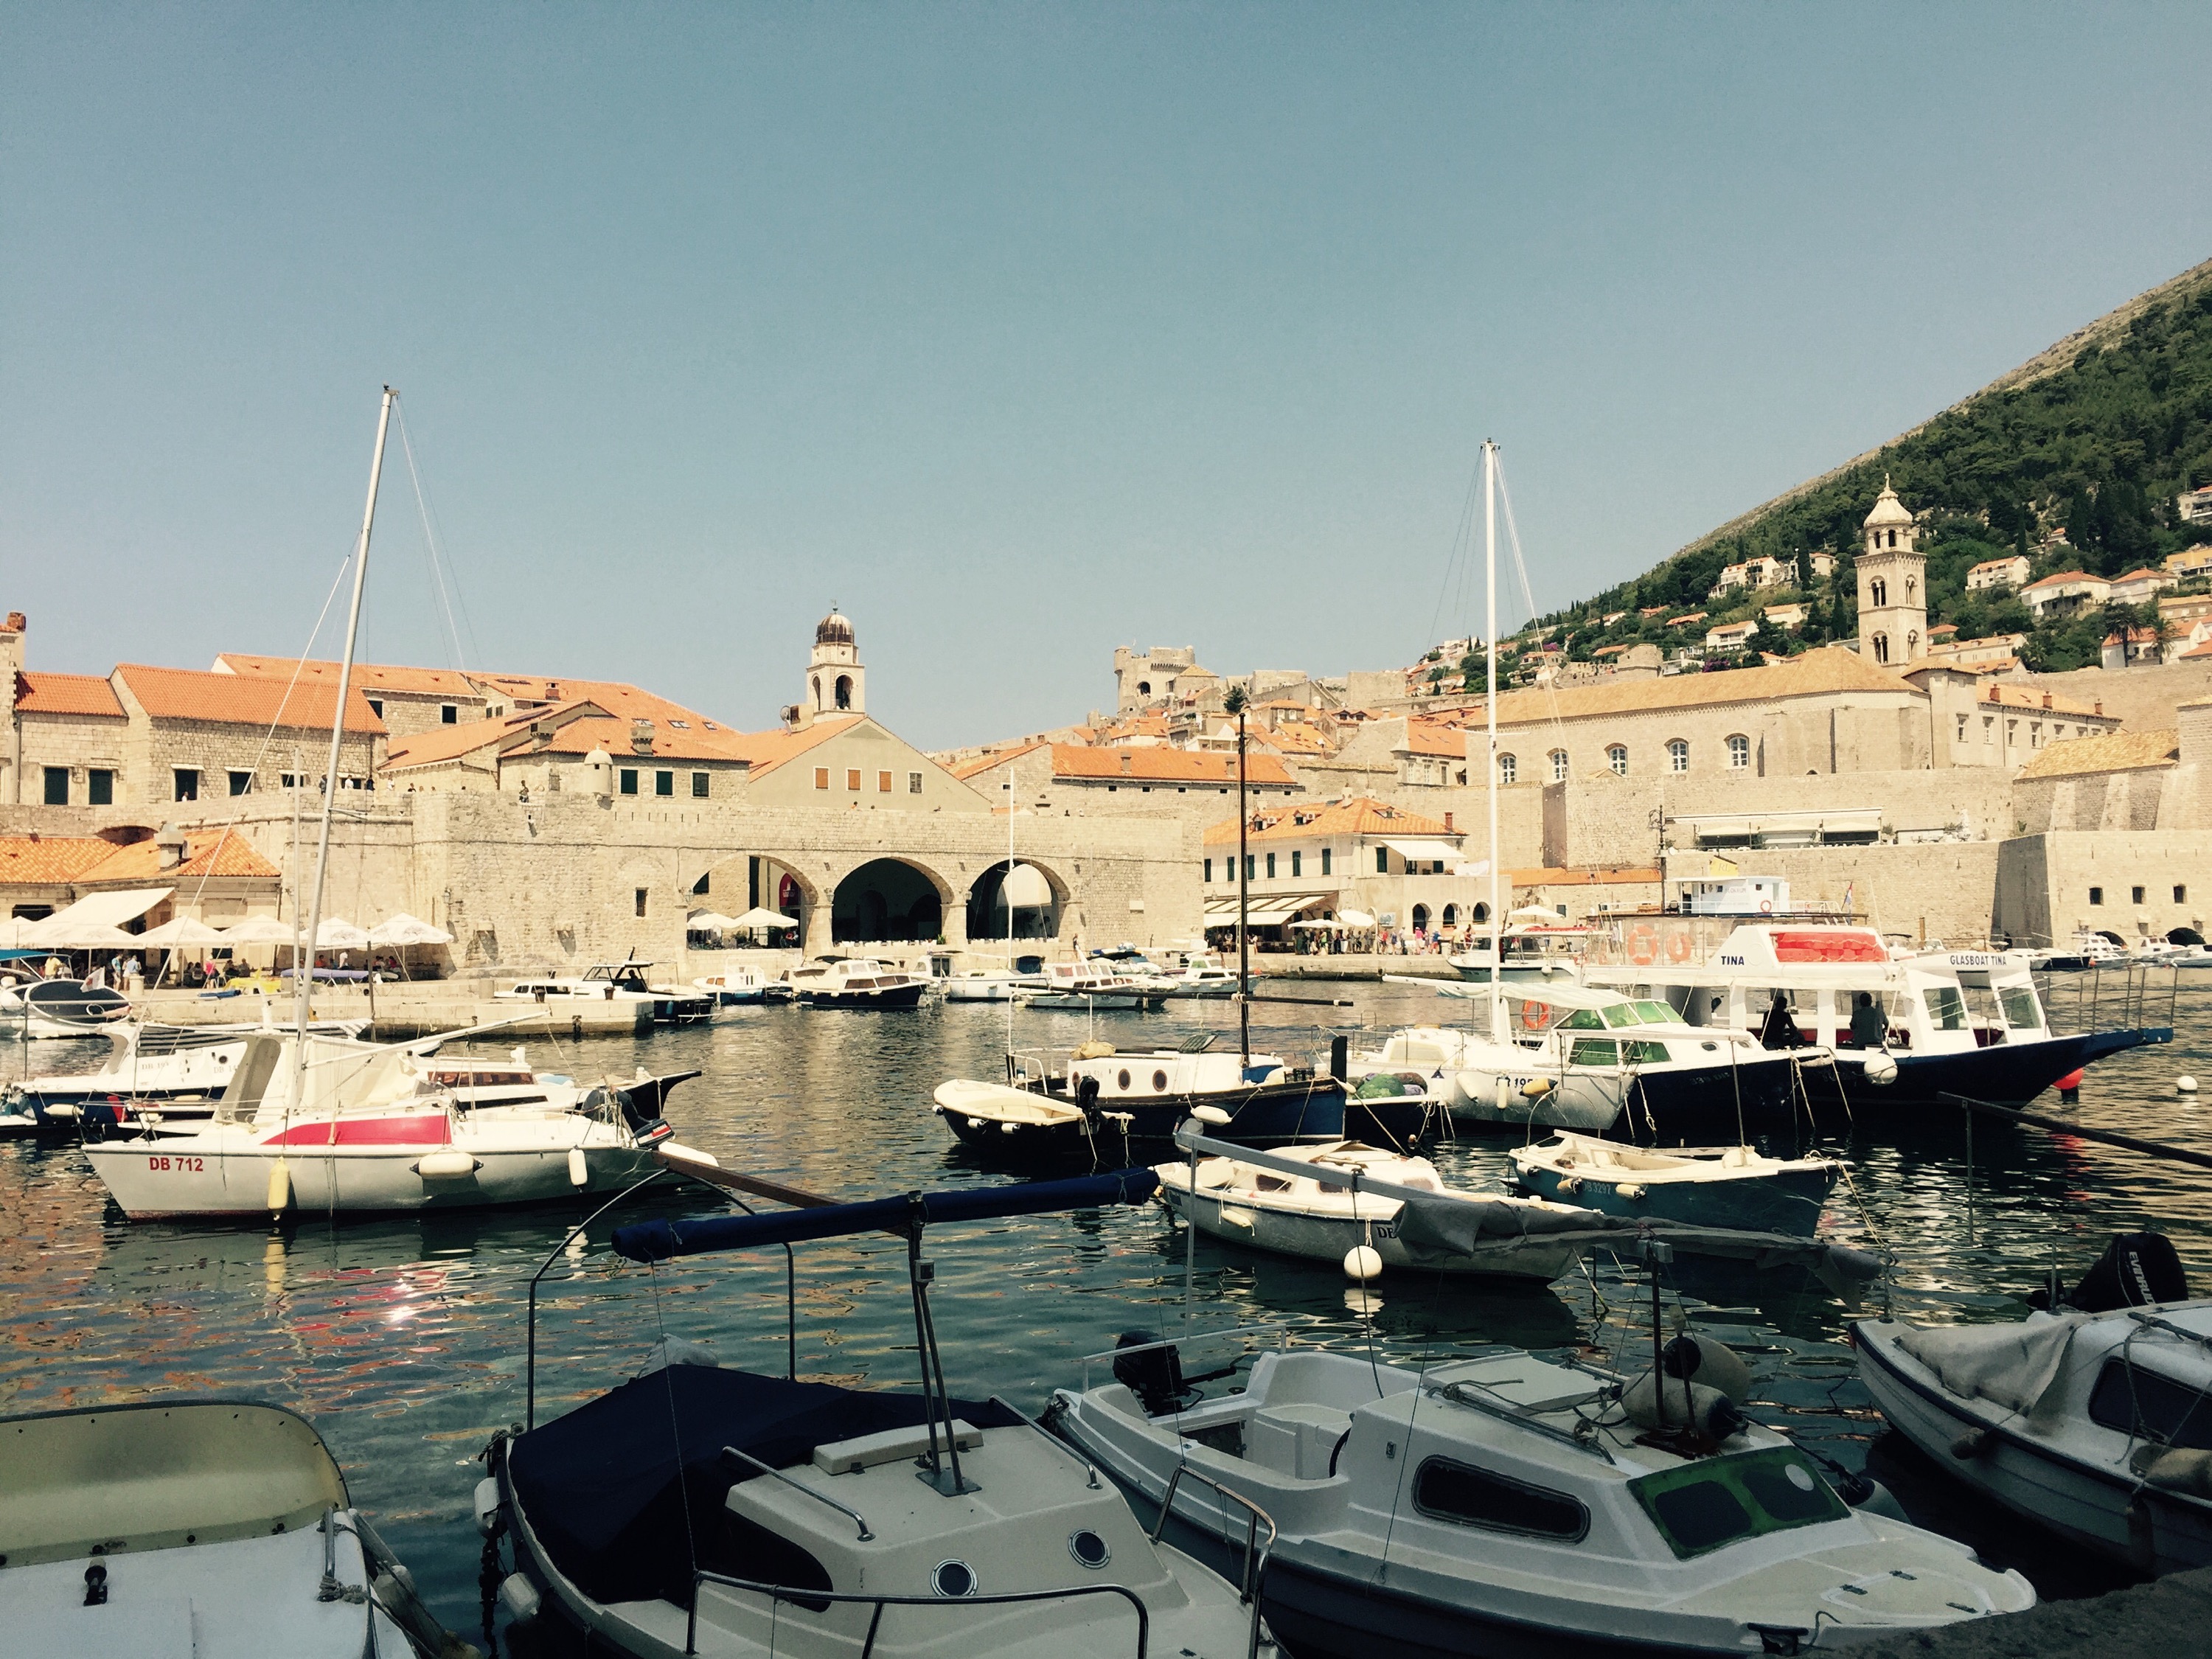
pixel 402 1339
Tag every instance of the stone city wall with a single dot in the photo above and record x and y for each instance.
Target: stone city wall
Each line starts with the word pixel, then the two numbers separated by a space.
pixel 2049 886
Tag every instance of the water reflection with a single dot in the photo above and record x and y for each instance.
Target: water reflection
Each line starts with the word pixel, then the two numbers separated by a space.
pixel 403 1338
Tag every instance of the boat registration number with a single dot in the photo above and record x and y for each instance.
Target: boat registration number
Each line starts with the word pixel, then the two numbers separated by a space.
pixel 186 1165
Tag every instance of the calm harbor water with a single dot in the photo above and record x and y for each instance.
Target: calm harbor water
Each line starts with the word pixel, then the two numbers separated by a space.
pixel 403 1341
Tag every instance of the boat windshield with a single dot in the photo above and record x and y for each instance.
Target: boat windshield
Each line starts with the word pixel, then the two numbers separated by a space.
pixel 2021 1012
pixel 1718 1501
pixel 1612 1014
pixel 1656 1013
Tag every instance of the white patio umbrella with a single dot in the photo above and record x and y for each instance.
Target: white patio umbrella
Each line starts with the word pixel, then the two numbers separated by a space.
pixel 709 921
pixel 260 930
pixel 760 916
pixel 1532 913
pixel 1355 918
pixel 403 929
pixel 173 935
pixel 15 932
pixel 83 936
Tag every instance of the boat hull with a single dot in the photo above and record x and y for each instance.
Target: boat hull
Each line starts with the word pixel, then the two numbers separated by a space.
pixel 2003 1074
pixel 892 996
pixel 196 1175
pixel 1311 1111
pixel 1237 1220
pixel 2079 1501
pixel 1663 1106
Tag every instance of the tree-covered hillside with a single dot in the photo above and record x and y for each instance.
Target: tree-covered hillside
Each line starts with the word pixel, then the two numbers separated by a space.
pixel 2095 439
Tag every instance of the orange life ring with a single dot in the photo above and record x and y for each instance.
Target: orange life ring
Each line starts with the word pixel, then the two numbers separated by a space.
pixel 1678 946
pixel 1766 907
pixel 1642 945
pixel 1536 1015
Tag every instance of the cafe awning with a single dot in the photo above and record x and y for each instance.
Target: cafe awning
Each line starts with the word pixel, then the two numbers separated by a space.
pixel 93 918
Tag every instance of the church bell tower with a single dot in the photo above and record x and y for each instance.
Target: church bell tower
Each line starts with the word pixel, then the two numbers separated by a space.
pixel 1892 576
pixel 836 682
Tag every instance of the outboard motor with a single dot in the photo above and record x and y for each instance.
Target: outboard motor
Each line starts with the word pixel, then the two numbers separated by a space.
pixel 1340 1057
pixel 1155 1377
pixel 1086 1101
pixel 2135 1269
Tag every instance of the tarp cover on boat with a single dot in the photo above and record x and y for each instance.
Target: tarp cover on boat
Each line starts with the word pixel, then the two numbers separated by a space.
pixel 1443 1229
pixel 656 1241
pixel 601 1488
pixel 2013 1365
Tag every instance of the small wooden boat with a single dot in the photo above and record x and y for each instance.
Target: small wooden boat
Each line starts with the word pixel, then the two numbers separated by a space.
pixel 1024 1126
pixel 194 1527
pixel 855 983
pixel 1706 1185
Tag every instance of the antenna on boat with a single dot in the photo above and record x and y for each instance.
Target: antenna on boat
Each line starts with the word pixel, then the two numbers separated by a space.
pixel 1235 703
pixel 303 981
pixel 1498 1032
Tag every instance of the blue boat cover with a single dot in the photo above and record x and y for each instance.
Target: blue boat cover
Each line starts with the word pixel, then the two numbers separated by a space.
pixel 656 1241
pixel 600 1487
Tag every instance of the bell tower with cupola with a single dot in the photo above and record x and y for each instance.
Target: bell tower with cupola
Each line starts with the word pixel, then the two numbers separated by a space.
pixel 1892 574
pixel 836 682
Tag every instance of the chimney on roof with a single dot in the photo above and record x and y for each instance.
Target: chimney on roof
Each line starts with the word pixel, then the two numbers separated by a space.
pixel 1448 822
pixel 2046 700
pixel 171 841
pixel 640 736
pixel 1125 765
pixel 2100 705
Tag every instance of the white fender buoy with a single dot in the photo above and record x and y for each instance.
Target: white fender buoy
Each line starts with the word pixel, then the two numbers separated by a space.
pixel 1630 1190
pixel 580 1172
pixel 1880 1069
pixel 280 1187
pixel 2184 1085
pixel 1008 1128
pixel 520 1597
pixel 445 1166
pixel 1363 1262
pixel 1212 1114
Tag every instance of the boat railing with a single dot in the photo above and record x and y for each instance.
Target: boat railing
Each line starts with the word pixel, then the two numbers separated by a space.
pixel 851 1514
pixel 781 1593
pixel 2127 996
pixel 1255 1553
pixel 1475 1397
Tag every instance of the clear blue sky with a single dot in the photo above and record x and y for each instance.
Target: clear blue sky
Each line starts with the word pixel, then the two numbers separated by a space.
pixel 1019 331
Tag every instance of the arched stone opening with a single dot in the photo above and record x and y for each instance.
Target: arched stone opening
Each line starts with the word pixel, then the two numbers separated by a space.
pixel 744 881
pixel 1421 917
pixel 844 690
pixel 887 900
pixel 1481 916
pixel 986 907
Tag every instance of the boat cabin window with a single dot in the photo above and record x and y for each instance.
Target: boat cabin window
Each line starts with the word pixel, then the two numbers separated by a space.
pixel 2136 1401
pixel 1594 1051
pixel 1645 1053
pixel 1656 1013
pixel 1476 1498
pixel 1270 1183
pixel 1947 1008
pixel 2021 1012
pixel 1711 1504
pixel 1583 1019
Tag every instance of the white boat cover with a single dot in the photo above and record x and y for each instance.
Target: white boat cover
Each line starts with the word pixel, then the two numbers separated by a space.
pixel 2013 1365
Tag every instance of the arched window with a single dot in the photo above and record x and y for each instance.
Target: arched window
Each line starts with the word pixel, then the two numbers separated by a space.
pixel 1144 688
pixel 1420 916
pixel 844 690
pixel 1878 592
pixel 1678 755
pixel 1617 758
pixel 1558 766
pixel 1882 647
pixel 818 690
pixel 1509 769
pixel 1911 644
pixel 1892 538
pixel 1451 915
pixel 1480 914
pixel 1739 752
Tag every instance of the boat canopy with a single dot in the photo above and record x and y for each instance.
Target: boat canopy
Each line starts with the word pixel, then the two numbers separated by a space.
pixel 1564 995
pixel 656 1241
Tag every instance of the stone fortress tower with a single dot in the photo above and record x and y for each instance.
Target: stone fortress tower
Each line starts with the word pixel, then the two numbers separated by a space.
pixel 836 682
pixel 1144 677
pixel 1892 586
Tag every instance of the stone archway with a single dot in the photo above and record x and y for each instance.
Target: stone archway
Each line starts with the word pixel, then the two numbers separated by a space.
pixel 742 881
pixel 887 899
pixel 987 910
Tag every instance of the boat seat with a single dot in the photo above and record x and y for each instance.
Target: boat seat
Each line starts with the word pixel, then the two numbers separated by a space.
pixel 1295 1439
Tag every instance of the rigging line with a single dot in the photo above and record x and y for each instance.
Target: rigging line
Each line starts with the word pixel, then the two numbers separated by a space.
pixel 269 736
pixel 1528 597
pixel 438 563
pixel 1462 536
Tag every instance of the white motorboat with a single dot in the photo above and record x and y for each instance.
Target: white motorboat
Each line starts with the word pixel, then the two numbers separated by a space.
pixel 1535 953
pixel 855 983
pixel 2093 1419
pixel 1706 1185
pixel 992 985
pixel 191 1527
pixel 1324 1215
pixel 706 1510
pixel 613 982
pixel 1500 1504
pixel 738 987
pixel 1087 988
pixel 1029 1126
pixel 1950 1021
pixel 374 1129
pixel 59 1008
pixel 1597 1062
pixel 1199 975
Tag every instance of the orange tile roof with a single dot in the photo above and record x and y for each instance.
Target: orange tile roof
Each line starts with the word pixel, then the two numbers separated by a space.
pixel 620 699
pixel 1160 765
pixel 768 749
pixel 214 855
pixel 2062 578
pixel 1435 738
pixel 2115 751
pixel 241 698
pixel 40 693
pixel 441 743
pixel 2034 702
pixel 1828 669
pixel 46 860
pixel 580 737
pixel 2140 576
pixel 1362 815
pixel 1292 739
pixel 369 676
pixel 981 763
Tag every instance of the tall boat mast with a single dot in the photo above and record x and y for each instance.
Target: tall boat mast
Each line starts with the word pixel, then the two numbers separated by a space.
pixel 303 975
pixel 1498 1032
